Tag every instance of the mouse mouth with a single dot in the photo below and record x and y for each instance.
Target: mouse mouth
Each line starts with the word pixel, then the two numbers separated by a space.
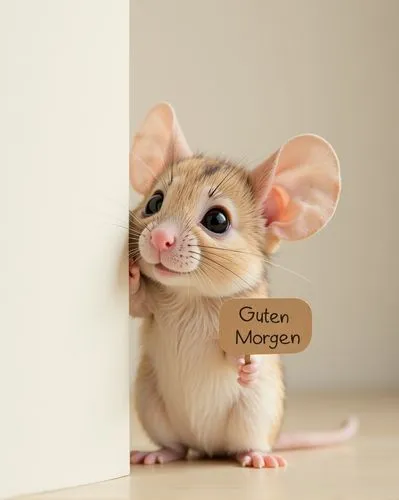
pixel 165 271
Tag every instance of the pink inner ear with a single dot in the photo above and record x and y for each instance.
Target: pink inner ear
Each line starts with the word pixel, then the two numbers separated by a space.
pixel 275 205
pixel 270 210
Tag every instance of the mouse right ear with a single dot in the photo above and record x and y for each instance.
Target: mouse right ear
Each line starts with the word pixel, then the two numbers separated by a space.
pixel 158 143
pixel 297 189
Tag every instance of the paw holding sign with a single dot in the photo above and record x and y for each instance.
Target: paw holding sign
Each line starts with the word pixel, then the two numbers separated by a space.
pixel 247 372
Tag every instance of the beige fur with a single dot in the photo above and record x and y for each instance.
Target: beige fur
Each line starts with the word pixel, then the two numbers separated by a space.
pixel 187 392
pixel 186 388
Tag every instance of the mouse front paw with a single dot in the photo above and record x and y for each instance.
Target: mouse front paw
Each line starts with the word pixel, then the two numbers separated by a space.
pixel 247 373
pixel 139 303
pixel 134 278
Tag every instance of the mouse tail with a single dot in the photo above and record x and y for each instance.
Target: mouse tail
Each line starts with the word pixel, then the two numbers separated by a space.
pixel 303 440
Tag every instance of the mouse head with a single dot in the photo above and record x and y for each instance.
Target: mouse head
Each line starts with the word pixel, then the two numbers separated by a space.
pixel 209 224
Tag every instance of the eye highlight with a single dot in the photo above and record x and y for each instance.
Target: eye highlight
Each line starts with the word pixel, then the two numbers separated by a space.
pixel 216 220
pixel 154 204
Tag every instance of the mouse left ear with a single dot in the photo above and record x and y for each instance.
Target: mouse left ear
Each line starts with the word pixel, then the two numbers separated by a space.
pixel 158 143
pixel 297 189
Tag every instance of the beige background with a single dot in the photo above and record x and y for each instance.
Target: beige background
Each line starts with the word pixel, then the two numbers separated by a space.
pixel 246 75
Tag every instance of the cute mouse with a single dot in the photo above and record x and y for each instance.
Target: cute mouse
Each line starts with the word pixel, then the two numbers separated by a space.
pixel 203 234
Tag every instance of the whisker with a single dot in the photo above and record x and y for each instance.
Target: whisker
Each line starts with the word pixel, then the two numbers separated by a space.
pixel 134 217
pixel 279 266
pixel 228 250
pixel 186 227
pixel 171 174
pixel 210 253
pixel 140 222
pixel 202 275
pixel 229 174
pixel 268 261
pixel 133 255
pixel 133 248
pixel 134 236
pixel 214 265
pixel 227 269
pixel 121 227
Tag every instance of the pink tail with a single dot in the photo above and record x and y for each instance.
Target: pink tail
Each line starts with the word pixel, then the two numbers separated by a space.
pixel 302 440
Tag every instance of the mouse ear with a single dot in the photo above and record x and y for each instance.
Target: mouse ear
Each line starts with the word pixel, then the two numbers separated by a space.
pixel 297 188
pixel 158 143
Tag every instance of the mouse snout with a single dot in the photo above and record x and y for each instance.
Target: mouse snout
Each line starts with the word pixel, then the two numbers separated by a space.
pixel 163 238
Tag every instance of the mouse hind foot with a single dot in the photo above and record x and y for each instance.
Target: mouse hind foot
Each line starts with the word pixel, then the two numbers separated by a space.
pixel 161 456
pixel 260 460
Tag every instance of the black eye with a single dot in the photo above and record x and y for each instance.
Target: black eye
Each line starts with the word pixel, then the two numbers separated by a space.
pixel 216 220
pixel 154 204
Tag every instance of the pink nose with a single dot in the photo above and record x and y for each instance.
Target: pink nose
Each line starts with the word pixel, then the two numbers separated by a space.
pixel 162 239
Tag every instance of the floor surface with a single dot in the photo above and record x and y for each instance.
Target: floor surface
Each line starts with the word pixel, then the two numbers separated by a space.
pixel 367 468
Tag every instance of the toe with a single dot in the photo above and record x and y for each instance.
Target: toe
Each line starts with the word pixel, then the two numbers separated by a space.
pixel 270 462
pixel 257 461
pixel 251 368
pixel 248 377
pixel 137 457
pixel 282 462
pixel 245 460
pixel 151 459
pixel 245 379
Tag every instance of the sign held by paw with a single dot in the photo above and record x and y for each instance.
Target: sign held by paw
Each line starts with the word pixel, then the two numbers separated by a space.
pixel 265 326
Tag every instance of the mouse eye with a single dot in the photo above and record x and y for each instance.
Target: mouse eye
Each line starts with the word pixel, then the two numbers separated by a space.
pixel 216 220
pixel 154 204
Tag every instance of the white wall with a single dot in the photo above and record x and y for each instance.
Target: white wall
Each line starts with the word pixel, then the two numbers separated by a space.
pixel 64 129
pixel 244 77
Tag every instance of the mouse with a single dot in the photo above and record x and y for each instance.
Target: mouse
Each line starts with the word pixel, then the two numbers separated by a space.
pixel 204 232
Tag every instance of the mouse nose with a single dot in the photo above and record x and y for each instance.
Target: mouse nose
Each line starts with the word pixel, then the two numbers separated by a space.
pixel 162 239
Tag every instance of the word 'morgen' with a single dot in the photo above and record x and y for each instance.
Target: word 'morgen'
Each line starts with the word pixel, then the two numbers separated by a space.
pixel 269 340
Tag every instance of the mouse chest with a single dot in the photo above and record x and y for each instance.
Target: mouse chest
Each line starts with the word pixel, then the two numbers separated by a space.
pixel 184 332
pixel 184 345
pixel 192 376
